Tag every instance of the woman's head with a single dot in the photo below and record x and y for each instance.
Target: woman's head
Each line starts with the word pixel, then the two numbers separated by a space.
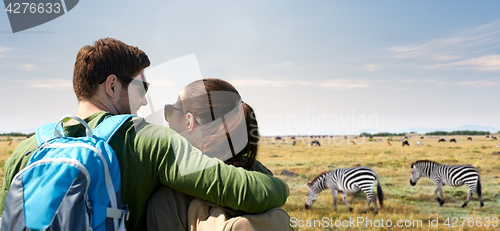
pixel 212 116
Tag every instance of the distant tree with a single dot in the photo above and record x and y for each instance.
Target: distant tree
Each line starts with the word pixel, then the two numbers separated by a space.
pixel 366 134
pixel 463 132
pixel 15 134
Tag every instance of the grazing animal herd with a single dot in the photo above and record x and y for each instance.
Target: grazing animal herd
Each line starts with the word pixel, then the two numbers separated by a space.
pixel 351 180
pixel 404 140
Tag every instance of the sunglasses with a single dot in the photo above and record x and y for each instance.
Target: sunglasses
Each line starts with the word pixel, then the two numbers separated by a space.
pixel 168 110
pixel 133 81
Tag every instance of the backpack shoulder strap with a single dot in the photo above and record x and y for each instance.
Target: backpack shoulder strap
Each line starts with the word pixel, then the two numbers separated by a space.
pixel 107 128
pixel 46 132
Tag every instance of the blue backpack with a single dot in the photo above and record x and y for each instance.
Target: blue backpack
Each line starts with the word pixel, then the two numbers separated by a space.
pixel 70 183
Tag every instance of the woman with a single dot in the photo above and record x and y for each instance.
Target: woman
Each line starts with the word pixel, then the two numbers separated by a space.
pixel 211 115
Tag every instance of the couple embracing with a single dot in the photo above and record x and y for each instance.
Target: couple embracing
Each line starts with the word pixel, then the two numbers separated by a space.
pixel 199 174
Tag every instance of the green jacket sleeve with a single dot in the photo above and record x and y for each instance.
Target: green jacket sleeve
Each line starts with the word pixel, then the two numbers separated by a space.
pixel 17 161
pixel 184 168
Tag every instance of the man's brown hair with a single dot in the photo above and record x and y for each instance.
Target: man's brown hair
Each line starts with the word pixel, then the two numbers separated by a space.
pixel 107 56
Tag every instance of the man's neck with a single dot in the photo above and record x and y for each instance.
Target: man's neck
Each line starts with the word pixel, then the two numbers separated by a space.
pixel 87 108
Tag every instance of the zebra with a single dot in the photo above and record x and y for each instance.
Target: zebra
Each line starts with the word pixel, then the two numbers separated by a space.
pixel 452 175
pixel 346 180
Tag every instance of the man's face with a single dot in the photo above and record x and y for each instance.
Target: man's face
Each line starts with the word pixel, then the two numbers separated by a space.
pixel 136 94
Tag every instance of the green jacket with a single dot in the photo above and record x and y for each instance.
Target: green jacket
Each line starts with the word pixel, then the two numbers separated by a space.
pixel 151 155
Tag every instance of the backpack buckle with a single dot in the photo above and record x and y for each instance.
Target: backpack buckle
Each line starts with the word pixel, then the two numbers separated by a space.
pixel 126 212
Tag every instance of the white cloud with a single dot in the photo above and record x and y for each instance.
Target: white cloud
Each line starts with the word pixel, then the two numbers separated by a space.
pixel 22 66
pixel 344 84
pixel 27 67
pixel 408 81
pixel 371 67
pixel 266 83
pixel 431 81
pixel 481 83
pixel 465 50
pixel 484 63
pixel 4 50
pixel 285 65
pixel 335 84
pixel 46 60
pixel 436 82
pixel 55 84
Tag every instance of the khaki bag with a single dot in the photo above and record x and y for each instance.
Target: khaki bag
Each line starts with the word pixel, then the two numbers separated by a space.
pixel 207 216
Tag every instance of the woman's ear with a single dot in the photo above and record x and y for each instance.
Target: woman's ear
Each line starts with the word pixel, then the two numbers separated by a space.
pixel 190 122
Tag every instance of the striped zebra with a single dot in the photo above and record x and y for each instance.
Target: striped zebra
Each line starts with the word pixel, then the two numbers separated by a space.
pixel 452 175
pixel 346 180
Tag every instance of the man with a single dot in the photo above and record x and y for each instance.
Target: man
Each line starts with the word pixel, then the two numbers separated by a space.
pixel 109 80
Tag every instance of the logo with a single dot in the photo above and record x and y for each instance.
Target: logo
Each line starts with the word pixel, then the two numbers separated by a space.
pixel 25 14
pixel 221 133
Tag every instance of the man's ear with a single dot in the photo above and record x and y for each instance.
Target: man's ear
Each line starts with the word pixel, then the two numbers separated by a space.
pixel 190 122
pixel 111 86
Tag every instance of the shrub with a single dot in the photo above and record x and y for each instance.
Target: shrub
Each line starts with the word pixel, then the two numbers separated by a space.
pixel 370 139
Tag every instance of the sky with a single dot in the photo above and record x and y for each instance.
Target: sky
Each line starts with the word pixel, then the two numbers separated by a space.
pixel 306 67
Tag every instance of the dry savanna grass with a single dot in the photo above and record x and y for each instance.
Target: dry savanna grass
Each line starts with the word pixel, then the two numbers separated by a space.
pixel 392 163
pixel 413 205
pixel 6 148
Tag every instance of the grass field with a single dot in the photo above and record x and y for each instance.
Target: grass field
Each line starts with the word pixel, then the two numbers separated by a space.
pixel 6 151
pixel 392 164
